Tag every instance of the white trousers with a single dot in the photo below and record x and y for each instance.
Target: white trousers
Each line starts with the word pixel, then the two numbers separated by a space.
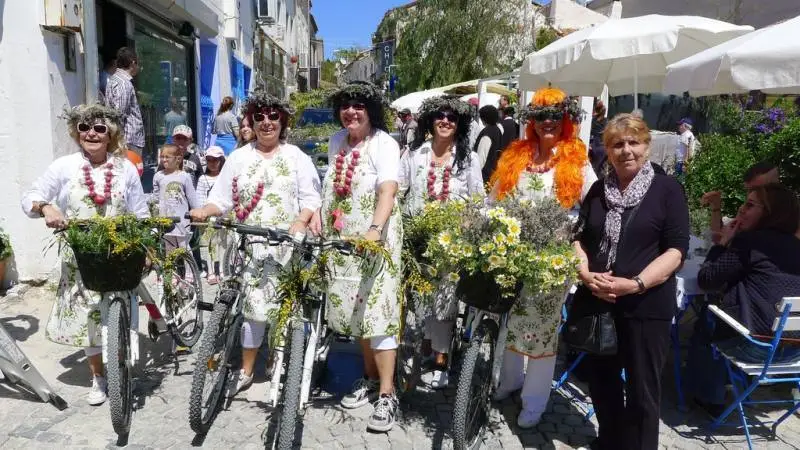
pixel 253 335
pixel 536 382
pixel 440 332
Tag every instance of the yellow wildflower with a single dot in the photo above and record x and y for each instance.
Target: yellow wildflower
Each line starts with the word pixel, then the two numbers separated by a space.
pixel 453 277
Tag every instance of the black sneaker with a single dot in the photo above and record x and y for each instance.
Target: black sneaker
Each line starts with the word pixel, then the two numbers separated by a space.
pixel 382 419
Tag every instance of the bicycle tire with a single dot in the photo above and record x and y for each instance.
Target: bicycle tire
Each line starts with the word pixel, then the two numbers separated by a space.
pixel 195 287
pixel 118 372
pixel 408 367
pixel 470 412
pixel 218 330
pixel 287 420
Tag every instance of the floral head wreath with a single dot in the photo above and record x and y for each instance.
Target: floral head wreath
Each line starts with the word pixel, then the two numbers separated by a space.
pixel 357 90
pixel 451 102
pixel 259 100
pixel 553 101
pixel 91 113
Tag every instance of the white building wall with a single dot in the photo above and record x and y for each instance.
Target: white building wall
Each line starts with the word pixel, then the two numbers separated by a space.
pixel 35 88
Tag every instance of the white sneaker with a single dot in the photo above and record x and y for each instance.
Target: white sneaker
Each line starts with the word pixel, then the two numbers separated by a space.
pixel 97 395
pixel 203 274
pixel 238 382
pixel 363 392
pixel 528 418
pixel 439 379
pixel 503 393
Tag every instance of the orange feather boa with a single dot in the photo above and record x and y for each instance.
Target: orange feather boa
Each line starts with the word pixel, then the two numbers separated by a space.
pixel 570 158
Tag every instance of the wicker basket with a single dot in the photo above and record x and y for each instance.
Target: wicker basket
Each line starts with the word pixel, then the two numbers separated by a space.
pixel 106 272
pixel 479 290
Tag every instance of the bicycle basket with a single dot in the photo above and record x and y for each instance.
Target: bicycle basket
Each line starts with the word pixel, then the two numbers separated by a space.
pixel 479 290
pixel 106 272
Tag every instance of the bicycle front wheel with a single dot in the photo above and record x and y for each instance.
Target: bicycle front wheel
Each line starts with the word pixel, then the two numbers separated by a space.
pixel 471 411
pixel 212 367
pixel 408 366
pixel 184 294
pixel 118 368
pixel 287 420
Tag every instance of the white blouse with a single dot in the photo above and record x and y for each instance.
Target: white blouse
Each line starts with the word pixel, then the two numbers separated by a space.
pixel 245 158
pixel 414 178
pixel 383 156
pixel 52 186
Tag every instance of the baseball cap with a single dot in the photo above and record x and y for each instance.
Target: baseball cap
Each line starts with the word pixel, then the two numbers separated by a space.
pixel 686 121
pixel 182 130
pixel 215 151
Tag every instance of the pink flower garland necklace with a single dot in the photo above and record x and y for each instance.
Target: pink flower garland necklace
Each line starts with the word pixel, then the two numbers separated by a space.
pixel 343 183
pixel 444 194
pixel 98 199
pixel 243 212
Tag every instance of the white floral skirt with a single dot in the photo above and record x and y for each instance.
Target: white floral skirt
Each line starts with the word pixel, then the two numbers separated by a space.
pixel 533 323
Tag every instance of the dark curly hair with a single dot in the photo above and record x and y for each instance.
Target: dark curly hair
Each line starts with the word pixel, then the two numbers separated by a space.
pixel 425 125
pixel 258 100
pixel 366 93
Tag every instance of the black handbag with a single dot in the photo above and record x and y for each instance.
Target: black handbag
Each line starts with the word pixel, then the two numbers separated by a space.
pixel 593 332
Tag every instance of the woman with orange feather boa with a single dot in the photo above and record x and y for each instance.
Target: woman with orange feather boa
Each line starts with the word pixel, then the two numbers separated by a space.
pixel 550 162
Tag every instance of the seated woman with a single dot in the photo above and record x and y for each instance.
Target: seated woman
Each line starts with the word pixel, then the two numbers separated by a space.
pixel 753 266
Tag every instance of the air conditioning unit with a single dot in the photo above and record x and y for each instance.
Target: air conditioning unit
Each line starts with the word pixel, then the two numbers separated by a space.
pixel 263 13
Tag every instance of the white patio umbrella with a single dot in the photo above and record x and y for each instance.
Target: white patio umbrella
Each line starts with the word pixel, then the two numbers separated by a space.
pixel 414 100
pixel 629 55
pixel 489 98
pixel 767 59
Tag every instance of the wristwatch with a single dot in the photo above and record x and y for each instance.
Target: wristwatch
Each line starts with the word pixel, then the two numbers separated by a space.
pixel 376 227
pixel 41 208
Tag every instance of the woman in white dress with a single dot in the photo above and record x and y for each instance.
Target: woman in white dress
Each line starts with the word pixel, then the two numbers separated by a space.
pixel 550 162
pixel 359 199
pixel 267 184
pixel 439 169
pixel 70 188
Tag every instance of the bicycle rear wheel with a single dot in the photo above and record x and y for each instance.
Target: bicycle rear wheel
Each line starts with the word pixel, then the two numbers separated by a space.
pixel 182 304
pixel 287 418
pixel 118 370
pixel 212 367
pixel 471 410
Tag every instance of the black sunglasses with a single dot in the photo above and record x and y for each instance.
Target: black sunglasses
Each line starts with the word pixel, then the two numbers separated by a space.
pixel 355 105
pixel 272 115
pixel 98 128
pixel 540 115
pixel 450 116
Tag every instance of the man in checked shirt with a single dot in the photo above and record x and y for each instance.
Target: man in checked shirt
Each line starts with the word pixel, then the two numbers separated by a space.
pixel 121 95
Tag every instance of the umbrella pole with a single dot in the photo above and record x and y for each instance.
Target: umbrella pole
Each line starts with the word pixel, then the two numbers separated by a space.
pixel 635 83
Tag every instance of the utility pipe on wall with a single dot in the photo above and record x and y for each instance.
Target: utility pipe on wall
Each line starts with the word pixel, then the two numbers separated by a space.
pixel 91 66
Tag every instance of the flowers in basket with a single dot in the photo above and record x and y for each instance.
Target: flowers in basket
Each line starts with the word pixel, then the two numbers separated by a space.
pixel 510 243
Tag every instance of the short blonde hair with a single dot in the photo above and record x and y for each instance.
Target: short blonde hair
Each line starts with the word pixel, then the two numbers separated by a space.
pixel 626 125
pixel 91 114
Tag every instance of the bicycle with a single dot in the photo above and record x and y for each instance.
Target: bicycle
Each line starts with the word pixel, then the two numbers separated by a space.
pixel 119 324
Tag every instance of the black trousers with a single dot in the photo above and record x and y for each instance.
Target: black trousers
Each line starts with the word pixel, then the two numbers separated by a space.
pixel 630 422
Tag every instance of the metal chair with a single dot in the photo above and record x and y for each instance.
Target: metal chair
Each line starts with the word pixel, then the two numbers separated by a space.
pixel 763 373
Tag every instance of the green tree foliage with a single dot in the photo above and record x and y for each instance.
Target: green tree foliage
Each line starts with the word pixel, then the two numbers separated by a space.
pixel 301 100
pixel 347 54
pixel 448 41
pixel 545 36
pixel 328 71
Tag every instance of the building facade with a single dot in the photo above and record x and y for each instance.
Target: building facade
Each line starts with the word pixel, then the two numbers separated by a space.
pixel 757 13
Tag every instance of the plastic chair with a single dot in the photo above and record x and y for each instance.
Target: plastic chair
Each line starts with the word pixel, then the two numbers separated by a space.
pixel 763 373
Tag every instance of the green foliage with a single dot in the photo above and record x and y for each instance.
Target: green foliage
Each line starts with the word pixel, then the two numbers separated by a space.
pixel 783 150
pixel 5 246
pixel 449 41
pixel 299 101
pixel 347 54
pixel 313 132
pixel 328 71
pixel 719 166
pixel 545 36
pixel 121 235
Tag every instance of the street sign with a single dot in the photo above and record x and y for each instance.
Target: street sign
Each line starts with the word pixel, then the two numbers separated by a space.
pixel 385 55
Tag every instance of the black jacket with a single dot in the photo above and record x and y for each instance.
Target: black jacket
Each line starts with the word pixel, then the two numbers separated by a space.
pixel 496 136
pixel 510 132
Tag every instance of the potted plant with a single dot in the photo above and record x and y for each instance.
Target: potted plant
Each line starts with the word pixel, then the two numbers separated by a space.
pixel 5 254
pixel 110 252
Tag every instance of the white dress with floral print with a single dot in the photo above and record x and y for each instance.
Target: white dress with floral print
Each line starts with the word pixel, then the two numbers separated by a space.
pixel 364 299
pixel 534 320
pixel 442 303
pixel 75 317
pixel 291 184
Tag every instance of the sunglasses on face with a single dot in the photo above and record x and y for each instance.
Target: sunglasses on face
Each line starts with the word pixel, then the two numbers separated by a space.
pixel 355 105
pixel 212 159
pixel 541 115
pixel 98 128
pixel 270 114
pixel 441 115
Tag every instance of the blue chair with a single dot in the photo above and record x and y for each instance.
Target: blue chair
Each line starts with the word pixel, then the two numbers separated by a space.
pixel 766 372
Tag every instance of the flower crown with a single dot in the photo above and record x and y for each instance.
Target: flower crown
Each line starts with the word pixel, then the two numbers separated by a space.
pixel 451 102
pixel 361 90
pixel 90 113
pixel 260 99
pixel 567 106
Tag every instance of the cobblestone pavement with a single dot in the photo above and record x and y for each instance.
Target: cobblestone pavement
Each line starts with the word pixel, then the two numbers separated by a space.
pixel 160 418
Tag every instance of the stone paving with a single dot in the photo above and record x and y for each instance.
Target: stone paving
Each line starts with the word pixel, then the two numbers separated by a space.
pixel 160 419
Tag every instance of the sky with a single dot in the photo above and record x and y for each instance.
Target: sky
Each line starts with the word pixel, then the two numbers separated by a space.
pixel 347 23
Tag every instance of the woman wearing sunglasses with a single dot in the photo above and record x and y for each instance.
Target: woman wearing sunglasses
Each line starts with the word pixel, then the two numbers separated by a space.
pixel 97 180
pixel 551 162
pixel 437 170
pixel 268 184
pixel 359 199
